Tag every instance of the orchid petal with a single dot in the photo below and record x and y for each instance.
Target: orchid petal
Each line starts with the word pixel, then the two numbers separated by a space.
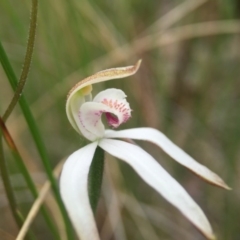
pixel 77 101
pixel 115 99
pixel 73 106
pixel 83 89
pixel 158 138
pixel 110 102
pixel 74 192
pixel 90 123
pixel 110 93
pixel 153 174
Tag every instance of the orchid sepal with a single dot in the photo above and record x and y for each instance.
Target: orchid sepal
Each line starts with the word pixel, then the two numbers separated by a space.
pixel 158 138
pixel 74 191
pixel 159 179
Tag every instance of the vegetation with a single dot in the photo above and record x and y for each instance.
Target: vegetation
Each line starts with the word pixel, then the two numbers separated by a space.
pixel 188 87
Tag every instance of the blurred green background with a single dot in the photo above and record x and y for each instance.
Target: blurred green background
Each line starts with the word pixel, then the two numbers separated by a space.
pixel 188 87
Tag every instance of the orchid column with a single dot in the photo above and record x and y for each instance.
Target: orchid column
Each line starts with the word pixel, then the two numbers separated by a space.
pixel 84 114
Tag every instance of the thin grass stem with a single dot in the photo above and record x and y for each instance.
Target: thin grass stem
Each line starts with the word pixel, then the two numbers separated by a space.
pixel 27 60
pixel 9 190
pixel 7 185
pixel 37 203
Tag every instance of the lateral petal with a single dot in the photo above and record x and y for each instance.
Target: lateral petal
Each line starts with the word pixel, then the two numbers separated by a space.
pixel 158 138
pixel 74 192
pixel 153 174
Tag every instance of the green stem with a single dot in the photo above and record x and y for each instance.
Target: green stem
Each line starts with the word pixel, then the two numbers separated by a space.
pixel 27 60
pixel 95 178
pixel 9 190
pixel 37 139
pixel 27 177
pixel 7 185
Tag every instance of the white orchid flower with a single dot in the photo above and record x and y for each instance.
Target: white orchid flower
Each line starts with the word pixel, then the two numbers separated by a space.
pixel 85 116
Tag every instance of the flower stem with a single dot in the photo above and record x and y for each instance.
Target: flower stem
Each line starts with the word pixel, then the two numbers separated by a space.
pixel 95 178
pixel 27 60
